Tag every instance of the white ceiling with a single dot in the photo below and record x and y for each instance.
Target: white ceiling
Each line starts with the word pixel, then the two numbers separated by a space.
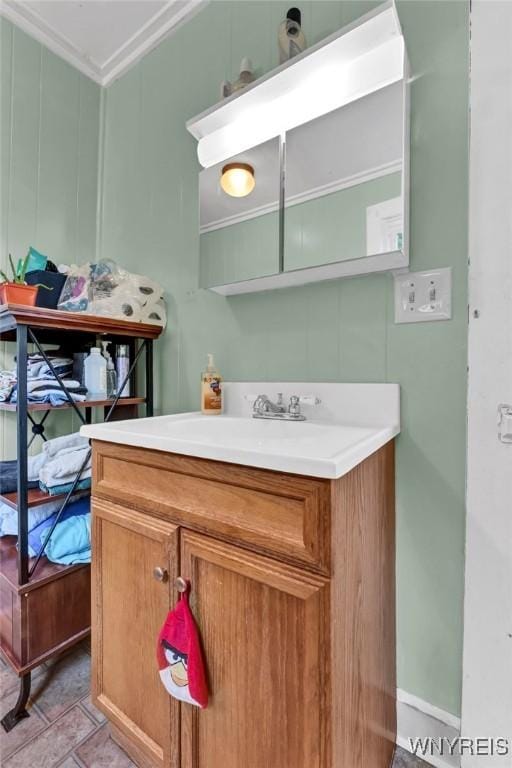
pixel 101 38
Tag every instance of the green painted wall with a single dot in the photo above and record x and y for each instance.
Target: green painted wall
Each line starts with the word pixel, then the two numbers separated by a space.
pixel 337 331
pixel 49 167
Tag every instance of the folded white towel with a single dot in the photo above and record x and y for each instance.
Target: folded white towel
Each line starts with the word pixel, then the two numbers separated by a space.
pixel 64 465
pixel 55 446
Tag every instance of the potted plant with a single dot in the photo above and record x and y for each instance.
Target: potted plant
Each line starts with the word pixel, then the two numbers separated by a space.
pixel 16 291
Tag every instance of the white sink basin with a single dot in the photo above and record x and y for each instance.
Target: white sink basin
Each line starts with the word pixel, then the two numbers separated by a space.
pixel 318 448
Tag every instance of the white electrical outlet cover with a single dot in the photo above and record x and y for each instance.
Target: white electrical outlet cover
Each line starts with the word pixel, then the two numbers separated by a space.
pixel 422 297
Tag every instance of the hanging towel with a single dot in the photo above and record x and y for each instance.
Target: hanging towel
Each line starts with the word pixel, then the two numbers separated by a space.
pixel 179 656
pixel 38 534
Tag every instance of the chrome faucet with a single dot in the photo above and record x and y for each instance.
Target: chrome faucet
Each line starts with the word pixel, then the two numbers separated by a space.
pixel 263 405
pixel 264 408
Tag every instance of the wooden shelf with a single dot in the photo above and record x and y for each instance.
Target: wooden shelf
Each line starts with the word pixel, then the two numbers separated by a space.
pixel 36 497
pixel 44 573
pixel 12 315
pixel 85 404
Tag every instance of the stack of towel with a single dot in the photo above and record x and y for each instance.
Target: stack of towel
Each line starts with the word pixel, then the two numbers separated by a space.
pixel 42 385
pixel 7 384
pixel 70 541
pixel 54 469
pixel 63 458
pixel 36 515
pixel 38 368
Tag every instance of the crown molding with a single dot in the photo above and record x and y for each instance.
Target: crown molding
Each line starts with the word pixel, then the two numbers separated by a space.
pixel 159 26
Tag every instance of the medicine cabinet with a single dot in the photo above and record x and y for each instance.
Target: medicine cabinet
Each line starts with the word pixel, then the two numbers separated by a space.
pixel 306 171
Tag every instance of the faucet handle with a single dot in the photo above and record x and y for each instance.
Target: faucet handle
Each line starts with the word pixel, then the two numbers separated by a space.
pixel 294 406
pixel 296 402
pixel 309 400
pixel 251 397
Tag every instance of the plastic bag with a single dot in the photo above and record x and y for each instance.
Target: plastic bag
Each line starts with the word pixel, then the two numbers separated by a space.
pixel 108 290
pixel 75 293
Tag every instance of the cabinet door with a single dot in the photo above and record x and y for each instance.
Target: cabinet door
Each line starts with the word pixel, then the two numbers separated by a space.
pixel 264 631
pixel 129 607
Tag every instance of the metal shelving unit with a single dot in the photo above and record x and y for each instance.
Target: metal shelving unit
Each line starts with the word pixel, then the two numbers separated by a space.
pixel 44 607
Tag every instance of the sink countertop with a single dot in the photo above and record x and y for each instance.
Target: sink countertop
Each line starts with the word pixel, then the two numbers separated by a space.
pixel 352 422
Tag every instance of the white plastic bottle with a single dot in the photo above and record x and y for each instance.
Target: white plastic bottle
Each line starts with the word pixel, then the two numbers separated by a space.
pixel 95 374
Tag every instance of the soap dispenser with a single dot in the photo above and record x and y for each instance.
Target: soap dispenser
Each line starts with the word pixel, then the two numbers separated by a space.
pixel 211 389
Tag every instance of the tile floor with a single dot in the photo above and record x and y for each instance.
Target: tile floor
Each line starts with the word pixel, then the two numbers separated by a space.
pixel 64 729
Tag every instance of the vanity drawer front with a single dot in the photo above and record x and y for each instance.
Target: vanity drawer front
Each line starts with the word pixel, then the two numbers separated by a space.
pixel 271 512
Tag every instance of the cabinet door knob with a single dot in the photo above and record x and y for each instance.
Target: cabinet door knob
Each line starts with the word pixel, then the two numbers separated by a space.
pixel 160 574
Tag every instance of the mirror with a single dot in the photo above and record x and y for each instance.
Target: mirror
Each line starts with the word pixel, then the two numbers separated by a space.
pixel 239 216
pixel 344 183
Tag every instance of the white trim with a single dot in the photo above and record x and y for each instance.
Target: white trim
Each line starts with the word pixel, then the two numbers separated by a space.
pixel 31 23
pixel 420 719
pixel 428 709
pixel 147 37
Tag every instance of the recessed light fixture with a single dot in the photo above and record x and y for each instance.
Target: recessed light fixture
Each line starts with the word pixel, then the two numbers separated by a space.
pixel 237 179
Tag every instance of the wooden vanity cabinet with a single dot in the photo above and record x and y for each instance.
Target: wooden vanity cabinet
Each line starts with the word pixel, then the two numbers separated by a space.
pixel 128 609
pixel 293 592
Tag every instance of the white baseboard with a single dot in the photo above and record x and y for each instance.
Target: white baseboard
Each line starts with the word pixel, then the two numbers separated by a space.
pixel 419 719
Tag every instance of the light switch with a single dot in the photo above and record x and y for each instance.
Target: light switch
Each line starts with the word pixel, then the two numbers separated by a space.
pixel 423 296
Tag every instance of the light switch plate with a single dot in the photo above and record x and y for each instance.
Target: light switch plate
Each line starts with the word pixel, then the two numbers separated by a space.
pixel 422 297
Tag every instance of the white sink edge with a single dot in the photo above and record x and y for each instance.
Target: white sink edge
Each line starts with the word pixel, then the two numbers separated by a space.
pixel 327 468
